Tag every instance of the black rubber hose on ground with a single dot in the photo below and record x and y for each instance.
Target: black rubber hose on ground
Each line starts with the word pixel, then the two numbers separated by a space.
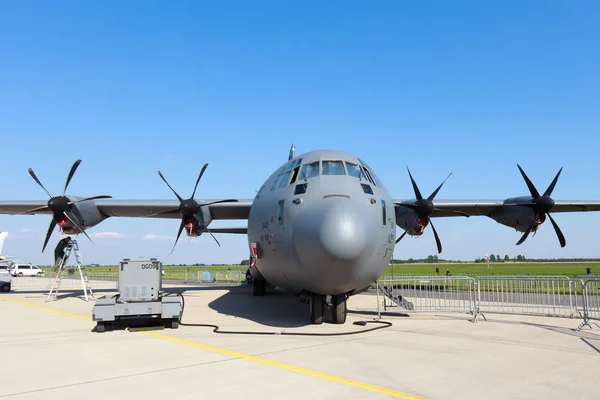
pixel 216 328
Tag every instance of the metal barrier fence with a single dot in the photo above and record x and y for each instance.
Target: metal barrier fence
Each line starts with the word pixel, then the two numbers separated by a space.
pixel 429 294
pixel 556 296
pixel 529 295
pixel 591 301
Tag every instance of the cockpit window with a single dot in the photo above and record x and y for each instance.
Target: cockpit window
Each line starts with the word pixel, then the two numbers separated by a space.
pixel 355 171
pixel 276 183
pixel 333 168
pixel 285 179
pixel 309 170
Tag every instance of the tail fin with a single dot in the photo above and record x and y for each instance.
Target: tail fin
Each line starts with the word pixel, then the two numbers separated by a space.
pixel 3 236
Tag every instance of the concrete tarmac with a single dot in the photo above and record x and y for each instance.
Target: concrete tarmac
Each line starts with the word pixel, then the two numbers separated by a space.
pixel 50 350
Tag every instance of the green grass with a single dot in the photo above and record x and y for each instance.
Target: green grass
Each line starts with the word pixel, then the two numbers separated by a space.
pixel 457 269
pixel 508 268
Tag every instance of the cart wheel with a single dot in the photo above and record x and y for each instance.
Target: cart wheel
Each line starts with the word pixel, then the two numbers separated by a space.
pixel 174 324
pixel 100 328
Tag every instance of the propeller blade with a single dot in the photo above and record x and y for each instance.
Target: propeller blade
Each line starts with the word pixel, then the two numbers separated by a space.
pixel 548 191
pixel 49 233
pixel 198 180
pixel 173 190
pixel 102 196
pixel 437 238
pixel 181 226
pixel 532 189
pixel 71 218
pixel 400 238
pixel 561 237
pixel 219 201
pixel 435 192
pixel 415 187
pixel 213 236
pixel 35 178
pixel 70 176
pixel 43 208
pixel 527 232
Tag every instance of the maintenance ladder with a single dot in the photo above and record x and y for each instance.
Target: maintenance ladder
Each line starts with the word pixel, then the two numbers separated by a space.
pixel 55 286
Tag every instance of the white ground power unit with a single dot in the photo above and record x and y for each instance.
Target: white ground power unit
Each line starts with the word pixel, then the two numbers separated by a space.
pixel 140 297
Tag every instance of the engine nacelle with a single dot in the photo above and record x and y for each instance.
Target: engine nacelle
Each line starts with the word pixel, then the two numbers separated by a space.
pixel 519 218
pixel 196 225
pixel 407 219
pixel 86 215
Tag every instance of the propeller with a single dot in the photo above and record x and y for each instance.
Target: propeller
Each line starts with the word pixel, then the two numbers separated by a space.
pixel 188 208
pixel 60 206
pixel 424 207
pixel 541 206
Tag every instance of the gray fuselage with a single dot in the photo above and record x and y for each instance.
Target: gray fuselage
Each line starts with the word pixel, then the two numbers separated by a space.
pixel 327 231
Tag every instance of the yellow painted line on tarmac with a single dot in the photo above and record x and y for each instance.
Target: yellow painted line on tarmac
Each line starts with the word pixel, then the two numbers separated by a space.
pixel 24 303
pixel 235 354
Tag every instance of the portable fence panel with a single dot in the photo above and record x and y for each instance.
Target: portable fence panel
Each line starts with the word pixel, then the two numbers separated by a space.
pixel 529 295
pixel 592 300
pixel 428 294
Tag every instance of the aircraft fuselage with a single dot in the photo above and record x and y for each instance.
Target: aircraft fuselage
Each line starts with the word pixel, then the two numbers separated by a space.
pixel 322 223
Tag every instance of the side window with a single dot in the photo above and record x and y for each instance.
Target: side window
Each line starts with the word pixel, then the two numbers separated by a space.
pixel 384 211
pixel 294 175
pixel 276 182
pixel 333 168
pixel 299 189
pixel 280 212
pixel 284 179
pixel 366 188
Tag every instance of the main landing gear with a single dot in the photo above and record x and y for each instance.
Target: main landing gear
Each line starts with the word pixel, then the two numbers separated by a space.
pixel 338 308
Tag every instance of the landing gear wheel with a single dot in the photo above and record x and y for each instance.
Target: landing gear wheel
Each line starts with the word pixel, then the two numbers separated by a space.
pixel 338 309
pixel 258 287
pixel 317 308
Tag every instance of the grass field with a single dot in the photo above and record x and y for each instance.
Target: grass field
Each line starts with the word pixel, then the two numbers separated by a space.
pixel 508 268
pixel 470 269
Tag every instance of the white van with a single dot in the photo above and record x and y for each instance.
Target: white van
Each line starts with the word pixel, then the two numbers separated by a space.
pixel 25 270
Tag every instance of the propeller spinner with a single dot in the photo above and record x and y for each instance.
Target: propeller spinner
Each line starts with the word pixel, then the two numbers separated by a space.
pixel 188 208
pixel 423 208
pixel 60 206
pixel 541 206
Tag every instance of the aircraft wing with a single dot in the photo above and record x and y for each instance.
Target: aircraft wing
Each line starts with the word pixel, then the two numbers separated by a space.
pixel 139 208
pixel 449 208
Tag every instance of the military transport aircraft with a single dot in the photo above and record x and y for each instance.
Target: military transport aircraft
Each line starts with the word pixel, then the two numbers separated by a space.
pixel 322 225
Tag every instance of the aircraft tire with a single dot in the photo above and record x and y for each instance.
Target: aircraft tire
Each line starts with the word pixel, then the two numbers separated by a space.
pixel 317 309
pixel 339 309
pixel 258 287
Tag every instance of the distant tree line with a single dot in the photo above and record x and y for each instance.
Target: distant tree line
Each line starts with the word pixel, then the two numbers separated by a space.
pixel 494 258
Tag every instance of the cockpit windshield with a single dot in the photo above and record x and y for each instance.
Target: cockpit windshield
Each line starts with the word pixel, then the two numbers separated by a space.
pixel 355 170
pixel 309 170
pixel 333 168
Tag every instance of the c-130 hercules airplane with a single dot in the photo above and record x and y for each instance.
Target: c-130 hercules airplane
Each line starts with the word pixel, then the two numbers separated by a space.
pixel 322 225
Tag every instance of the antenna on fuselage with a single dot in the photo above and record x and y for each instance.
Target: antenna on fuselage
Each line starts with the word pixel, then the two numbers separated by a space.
pixel 292 152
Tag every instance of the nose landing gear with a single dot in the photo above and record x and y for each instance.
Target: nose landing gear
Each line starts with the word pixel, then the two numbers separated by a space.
pixel 318 307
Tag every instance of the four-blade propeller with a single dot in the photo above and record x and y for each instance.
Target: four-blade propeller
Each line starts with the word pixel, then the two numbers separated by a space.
pixel 60 206
pixel 541 206
pixel 423 208
pixel 188 208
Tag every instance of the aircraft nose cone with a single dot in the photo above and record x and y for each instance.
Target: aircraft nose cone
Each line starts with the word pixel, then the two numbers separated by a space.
pixel 332 231
pixel 342 234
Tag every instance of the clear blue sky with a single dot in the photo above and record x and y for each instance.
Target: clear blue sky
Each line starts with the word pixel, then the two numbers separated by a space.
pixel 131 87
